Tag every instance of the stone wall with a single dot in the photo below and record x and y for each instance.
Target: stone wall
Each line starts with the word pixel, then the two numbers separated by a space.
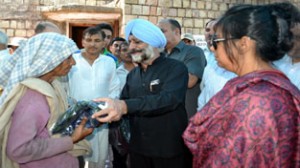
pixel 192 14
pixel 18 17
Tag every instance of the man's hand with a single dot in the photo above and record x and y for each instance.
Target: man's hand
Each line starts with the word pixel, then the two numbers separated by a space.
pixel 81 132
pixel 114 111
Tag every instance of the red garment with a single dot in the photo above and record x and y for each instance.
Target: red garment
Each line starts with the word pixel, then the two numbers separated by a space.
pixel 252 122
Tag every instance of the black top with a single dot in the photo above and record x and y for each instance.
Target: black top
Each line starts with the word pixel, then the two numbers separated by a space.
pixel 155 99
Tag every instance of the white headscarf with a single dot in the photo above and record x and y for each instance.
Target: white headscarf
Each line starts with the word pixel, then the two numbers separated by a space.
pixel 38 56
pixel 146 32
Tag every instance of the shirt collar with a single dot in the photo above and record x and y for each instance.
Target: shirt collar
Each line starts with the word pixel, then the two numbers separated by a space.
pixel 178 47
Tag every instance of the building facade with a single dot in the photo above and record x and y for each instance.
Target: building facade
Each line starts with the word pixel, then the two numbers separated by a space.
pixel 19 17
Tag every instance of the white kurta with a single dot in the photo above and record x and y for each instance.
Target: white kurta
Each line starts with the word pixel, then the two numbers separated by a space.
pixel 87 82
pixel 99 80
pixel 213 80
pixel 122 73
pixel 290 69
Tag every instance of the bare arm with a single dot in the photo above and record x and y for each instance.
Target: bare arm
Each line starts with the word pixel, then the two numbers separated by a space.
pixel 193 79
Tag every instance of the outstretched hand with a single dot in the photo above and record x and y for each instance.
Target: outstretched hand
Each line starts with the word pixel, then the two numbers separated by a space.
pixel 81 132
pixel 114 111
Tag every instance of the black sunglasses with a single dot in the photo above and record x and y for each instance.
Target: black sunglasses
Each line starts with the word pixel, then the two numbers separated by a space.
pixel 214 40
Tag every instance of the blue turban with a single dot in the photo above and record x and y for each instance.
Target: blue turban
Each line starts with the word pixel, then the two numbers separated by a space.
pixel 146 32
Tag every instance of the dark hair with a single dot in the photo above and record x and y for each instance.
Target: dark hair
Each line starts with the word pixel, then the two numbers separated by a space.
pixel 213 19
pixel 260 23
pixel 175 24
pixel 292 16
pixel 124 43
pixel 41 26
pixel 116 39
pixel 93 31
pixel 105 26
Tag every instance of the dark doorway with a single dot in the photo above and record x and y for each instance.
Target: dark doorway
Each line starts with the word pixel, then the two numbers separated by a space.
pixel 77 35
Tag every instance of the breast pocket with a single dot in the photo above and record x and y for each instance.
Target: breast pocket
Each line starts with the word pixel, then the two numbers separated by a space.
pixel 155 86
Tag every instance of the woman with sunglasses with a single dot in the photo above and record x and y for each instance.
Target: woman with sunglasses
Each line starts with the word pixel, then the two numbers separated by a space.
pixel 253 120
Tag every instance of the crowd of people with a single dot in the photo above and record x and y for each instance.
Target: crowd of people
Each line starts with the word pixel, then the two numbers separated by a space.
pixel 170 104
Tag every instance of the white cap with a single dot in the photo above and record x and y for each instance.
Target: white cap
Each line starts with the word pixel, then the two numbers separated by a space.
pixel 16 41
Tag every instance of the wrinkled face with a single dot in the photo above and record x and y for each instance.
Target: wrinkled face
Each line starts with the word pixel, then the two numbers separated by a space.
pixel 114 48
pixel 63 68
pixel 124 53
pixel 140 52
pixel 295 51
pixel 93 44
pixel 170 34
pixel 108 37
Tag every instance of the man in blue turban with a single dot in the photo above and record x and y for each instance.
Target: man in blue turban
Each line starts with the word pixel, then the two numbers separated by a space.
pixel 140 30
pixel 153 101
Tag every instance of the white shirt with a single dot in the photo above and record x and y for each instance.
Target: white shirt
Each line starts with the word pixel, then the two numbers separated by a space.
pixel 213 80
pixel 87 81
pixel 122 73
pixel 290 69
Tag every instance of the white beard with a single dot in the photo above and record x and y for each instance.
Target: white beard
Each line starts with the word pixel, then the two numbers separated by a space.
pixel 146 55
pixel 136 58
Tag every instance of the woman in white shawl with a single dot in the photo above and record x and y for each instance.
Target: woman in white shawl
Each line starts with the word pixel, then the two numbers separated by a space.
pixel 31 102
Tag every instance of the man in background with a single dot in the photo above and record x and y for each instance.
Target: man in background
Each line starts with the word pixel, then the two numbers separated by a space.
pixel 214 77
pixel 93 76
pixel 290 63
pixel 46 26
pixel 118 142
pixel 15 42
pixel 192 56
pixel 114 47
pixel 108 31
pixel 188 39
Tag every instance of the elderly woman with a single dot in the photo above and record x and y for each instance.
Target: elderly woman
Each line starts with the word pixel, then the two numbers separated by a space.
pixel 31 102
pixel 254 120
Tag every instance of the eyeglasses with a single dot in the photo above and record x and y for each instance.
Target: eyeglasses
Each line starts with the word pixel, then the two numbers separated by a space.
pixel 214 40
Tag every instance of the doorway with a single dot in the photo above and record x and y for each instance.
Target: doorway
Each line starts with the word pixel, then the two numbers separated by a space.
pixel 77 35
